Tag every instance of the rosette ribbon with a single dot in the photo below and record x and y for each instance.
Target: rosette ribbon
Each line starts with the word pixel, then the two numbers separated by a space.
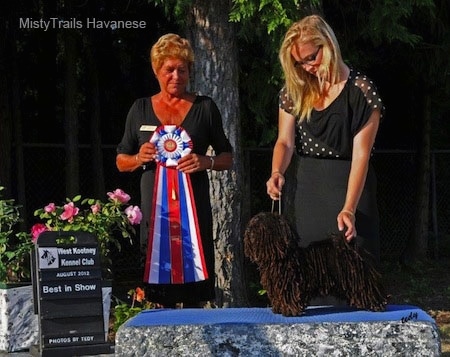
pixel 174 252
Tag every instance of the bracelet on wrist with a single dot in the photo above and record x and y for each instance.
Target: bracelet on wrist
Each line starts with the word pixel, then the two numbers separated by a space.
pixel 348 212
pixel 212 162
pixel 138 160
pixel 277 172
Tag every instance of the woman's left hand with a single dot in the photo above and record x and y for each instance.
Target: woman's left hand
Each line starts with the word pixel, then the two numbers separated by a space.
pixel 193 163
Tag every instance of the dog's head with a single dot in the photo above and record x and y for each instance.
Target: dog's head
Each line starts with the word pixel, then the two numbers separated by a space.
pixel 269 236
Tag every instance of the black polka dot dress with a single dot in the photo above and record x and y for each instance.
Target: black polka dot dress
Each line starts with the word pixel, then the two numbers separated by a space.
pixel 324 152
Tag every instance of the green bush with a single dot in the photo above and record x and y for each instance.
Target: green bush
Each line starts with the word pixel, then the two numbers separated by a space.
pixel 15 246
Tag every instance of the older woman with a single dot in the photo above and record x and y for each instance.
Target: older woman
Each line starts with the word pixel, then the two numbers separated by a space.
pixel 329 115
pixel 167 137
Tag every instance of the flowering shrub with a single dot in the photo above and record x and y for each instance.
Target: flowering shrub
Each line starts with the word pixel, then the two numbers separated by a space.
pixel 103 219
pixel 124 311
pixel 14 246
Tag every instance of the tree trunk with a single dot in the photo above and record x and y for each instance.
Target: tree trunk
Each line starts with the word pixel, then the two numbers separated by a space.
pixel 11 143
pixel 216 74
pixel 70 108
pixel 421 231
pixel 47 78
pixel 18 137
pixel 93 103
pixel 5 114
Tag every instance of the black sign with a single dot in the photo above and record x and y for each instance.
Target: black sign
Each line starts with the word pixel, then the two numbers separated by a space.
pixel 68 292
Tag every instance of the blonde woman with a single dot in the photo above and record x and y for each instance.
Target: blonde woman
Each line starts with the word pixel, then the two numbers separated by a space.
pixel 329 115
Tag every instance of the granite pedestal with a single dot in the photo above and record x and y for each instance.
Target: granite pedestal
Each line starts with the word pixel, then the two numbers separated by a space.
pixel 321 331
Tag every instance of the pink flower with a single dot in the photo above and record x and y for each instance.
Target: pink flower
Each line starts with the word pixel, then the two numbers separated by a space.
pixel 119 195
pixel 37 229
pixel 70 211
pixel 50 208
pixel 95 208
pixel 134 214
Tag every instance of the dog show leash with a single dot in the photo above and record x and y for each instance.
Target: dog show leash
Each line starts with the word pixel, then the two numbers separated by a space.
pixel 279 206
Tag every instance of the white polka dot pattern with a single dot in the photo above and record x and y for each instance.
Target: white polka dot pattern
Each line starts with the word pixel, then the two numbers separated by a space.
pixel 368 88
pixel 335 140
pixel 308 145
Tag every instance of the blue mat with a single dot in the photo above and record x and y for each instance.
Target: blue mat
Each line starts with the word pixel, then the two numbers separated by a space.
pixel 316 314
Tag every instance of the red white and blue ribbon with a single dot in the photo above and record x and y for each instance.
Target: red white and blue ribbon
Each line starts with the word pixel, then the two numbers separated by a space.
pixel 174 253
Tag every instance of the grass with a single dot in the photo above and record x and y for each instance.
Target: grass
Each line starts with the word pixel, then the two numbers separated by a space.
pixel 426 285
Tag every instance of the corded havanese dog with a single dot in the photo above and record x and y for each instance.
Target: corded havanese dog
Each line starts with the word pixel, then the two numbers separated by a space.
pixel 292 275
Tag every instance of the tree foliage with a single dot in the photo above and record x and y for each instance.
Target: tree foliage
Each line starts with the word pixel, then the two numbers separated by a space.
pixel 271 14
pixel 175 10
pixel 388 21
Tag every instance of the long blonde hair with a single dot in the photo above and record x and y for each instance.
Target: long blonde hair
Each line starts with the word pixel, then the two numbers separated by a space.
pixel 303 88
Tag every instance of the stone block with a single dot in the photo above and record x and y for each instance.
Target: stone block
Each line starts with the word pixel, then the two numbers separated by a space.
pixel 19 325
pixel 321 331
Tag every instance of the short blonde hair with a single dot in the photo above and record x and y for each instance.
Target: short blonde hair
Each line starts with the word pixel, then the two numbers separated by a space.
pixel 171 46
pixel 301 86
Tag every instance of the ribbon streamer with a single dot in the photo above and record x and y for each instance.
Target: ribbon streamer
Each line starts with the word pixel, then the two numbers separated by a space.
pixel 174 253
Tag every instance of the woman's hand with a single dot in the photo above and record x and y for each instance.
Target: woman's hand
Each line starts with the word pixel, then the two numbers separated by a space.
pixel 193 163
pixel 346 223
pixel 275 185
pixel 147 153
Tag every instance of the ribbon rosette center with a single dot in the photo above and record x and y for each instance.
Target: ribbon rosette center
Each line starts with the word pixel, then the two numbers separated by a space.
pixel 172 143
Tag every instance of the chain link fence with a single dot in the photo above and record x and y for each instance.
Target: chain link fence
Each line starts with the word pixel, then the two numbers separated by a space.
pixel 396 171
